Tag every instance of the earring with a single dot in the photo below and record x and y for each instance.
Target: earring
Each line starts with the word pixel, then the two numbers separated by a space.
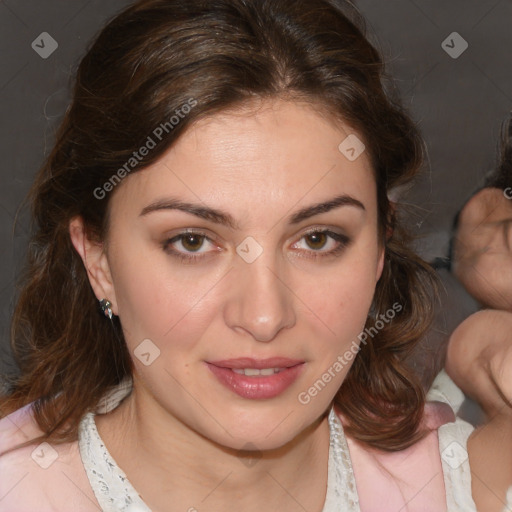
pixel 106 307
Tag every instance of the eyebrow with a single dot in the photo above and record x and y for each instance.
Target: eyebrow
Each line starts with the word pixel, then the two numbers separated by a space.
pixel 224 218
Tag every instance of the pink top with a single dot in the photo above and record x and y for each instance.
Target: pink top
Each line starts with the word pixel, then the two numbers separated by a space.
pixel 46 478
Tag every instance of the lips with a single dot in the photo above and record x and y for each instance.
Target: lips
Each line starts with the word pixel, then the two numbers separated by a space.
pixel 259 364
pixel 257 378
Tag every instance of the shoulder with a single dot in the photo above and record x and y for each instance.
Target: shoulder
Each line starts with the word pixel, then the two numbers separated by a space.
pixel 17 427
pixel 412 477
pixel 437 414
pixel 40 476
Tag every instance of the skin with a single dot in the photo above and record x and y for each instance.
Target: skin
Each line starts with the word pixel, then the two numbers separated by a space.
pixel 479 359
pixel 483 248
pixel 260 165
pixel 479 353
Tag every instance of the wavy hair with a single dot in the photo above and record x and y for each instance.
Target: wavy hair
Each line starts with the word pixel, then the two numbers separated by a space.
pixel 145 64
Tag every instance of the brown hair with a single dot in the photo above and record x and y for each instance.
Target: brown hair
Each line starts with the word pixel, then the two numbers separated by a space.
pixel 146 63
pixel 501 177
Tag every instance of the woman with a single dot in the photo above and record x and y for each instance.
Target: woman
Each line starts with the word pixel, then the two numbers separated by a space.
pixel 220 187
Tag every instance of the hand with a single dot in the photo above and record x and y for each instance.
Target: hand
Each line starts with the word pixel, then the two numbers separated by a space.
pixel 479 360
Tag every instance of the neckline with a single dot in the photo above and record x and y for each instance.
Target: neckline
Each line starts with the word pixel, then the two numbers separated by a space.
pixel 115 493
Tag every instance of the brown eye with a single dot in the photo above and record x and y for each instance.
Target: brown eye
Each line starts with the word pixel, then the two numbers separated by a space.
pixel 192 242
pixel 322 243
pixel 316 240
pixel 189 246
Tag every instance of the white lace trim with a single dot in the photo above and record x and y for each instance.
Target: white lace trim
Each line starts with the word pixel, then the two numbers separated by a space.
pixel 110 484
pixel 453 439
pixel 115 493
pixel 443 389
pixel 341 483
pixel 111 487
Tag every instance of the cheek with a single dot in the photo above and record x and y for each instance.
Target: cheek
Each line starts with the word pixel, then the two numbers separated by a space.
pixel 155 301
pixel 337 310
pixel 347 294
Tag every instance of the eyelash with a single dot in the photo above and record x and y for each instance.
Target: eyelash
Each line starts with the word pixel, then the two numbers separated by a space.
pixel 343 242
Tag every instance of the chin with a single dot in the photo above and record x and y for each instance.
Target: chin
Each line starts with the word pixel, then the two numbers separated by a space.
pixel 254 441
pixel 265 431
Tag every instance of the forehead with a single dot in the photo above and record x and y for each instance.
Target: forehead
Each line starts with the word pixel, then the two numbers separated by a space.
pixel 277 152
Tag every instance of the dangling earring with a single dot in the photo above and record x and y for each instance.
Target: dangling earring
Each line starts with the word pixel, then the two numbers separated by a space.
pixel 106 307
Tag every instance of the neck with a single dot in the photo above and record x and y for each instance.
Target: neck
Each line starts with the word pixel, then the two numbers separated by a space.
pixel 169 462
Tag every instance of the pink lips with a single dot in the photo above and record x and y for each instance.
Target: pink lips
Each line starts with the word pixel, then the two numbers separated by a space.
pixel 259 386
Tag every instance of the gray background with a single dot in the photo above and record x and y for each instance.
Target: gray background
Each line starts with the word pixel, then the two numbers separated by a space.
pixel 459 104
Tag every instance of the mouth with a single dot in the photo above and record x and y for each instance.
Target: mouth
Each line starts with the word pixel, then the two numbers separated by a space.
pixel 254 372
pixel 257 378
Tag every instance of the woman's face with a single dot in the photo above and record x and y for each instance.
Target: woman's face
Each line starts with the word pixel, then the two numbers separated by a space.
pixel 252 244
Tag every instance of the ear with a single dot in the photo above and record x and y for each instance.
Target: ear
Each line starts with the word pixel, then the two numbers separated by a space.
pixel 380 262
pixel 389 234
pixel 95 261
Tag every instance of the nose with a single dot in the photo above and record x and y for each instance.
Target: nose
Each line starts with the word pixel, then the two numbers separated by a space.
pixel 260 302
